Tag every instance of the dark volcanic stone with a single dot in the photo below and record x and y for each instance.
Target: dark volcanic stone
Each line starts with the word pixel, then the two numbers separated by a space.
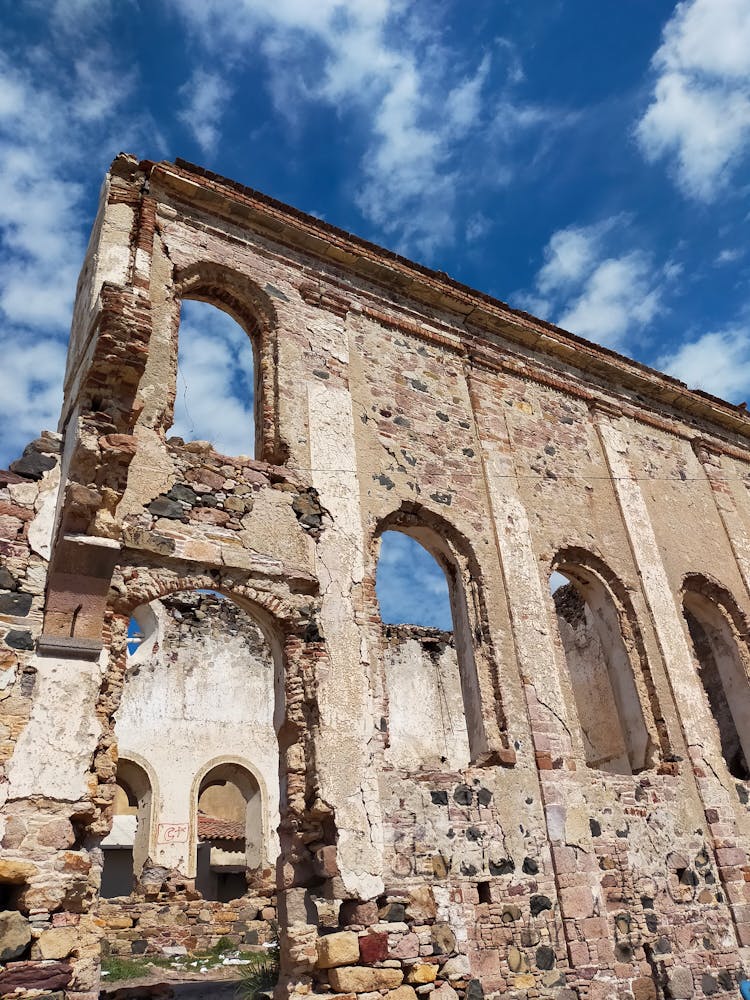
pixel 182 492
pixel 545 957
pixel 708 984
pixel 503 867
pixel 18 604
pixel 163 507
pixel 19 639
pixel 474 990
pixel 539 904
pixel 33 465
pixel 463 795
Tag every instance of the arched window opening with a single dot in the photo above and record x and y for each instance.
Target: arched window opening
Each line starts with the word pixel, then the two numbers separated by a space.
pixel 434 711
pixel 215 391
pixel 230 832
pixel 411 586
pixel 715 627
pixel 601 672
pixel 127 844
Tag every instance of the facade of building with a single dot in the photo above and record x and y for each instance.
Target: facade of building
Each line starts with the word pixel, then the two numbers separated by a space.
pixel 551 801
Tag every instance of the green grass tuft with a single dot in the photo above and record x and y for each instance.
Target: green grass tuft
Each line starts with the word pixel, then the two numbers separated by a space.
pixel 119 968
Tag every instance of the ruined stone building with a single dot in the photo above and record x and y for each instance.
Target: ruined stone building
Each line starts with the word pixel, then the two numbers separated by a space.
pixel 551 800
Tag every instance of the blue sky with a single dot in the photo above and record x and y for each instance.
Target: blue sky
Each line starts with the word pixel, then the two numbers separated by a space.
pixel 587 161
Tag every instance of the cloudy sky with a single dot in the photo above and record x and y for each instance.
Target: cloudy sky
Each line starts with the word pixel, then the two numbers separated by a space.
pixel 585 160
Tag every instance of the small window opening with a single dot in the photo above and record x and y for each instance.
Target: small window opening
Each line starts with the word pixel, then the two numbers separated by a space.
pixel 610 716
pixel 722 673
pixel 484 892
pixel 135 635
pixel 215 381
pixel 230 832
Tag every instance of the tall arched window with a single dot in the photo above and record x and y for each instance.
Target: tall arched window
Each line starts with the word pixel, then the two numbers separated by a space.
pixel 215 391
pixel 718 634
pixel 126 846
pixel 230 831
pixel 601 667
pixel 434 699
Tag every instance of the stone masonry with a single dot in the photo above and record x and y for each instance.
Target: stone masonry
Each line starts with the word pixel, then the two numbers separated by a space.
pixel 551 802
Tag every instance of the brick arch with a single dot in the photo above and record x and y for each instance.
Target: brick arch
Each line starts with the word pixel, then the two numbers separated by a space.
pixel 242 299
pixel 254 601
pixel 477 658
pixel 710 588
pixel 587 570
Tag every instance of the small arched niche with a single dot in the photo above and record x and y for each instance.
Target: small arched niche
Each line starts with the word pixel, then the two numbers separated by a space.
pixel 434 702
pixel 718 635
pixel 126 846
pixel 230 831
pixel 601 667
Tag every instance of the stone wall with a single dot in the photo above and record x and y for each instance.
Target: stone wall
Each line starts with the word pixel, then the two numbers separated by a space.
pixel 134 926
pixel 388 397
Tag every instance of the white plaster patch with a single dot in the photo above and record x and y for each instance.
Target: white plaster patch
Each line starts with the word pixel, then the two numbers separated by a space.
pixel 8 677
pixel 344 694
pixel 42 527
pixel 54 752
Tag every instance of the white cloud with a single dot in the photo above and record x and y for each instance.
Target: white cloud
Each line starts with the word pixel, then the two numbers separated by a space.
pixel 568 257
pixel 30 376
pixel 206 96
pixel 717 362
pixel 617 298
pixel 388 63
pixel 214 381
pixel 729 256
pixel 477 226
pixel 59 128
pixel 411 587
pixel 587 287
pixel 699 116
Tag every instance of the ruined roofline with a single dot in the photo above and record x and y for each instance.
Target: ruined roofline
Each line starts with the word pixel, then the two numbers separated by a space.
pixel 485 313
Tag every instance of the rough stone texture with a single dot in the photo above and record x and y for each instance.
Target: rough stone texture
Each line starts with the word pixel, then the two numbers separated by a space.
pixel 338 949
pixel 358 979
pixel 422 973
pixel 15 935
pixel 551 801
pixel 58 942
pixel 137 926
